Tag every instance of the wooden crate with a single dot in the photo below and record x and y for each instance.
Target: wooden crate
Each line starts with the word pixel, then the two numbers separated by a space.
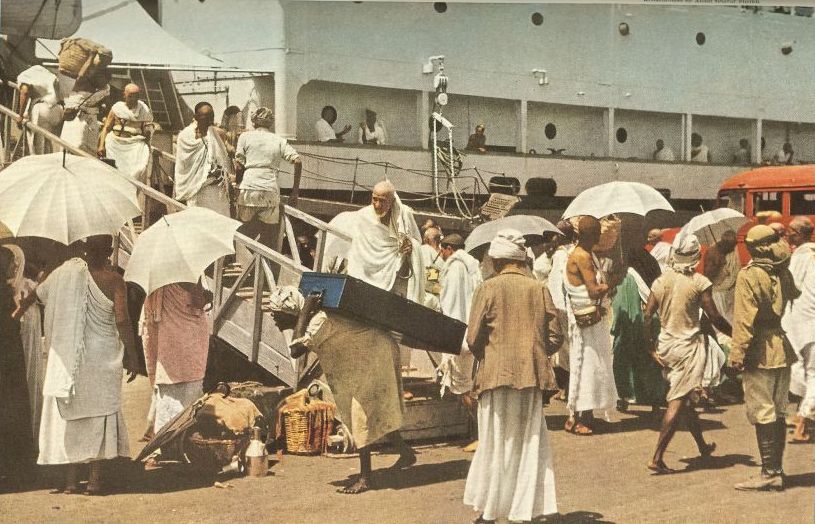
pixel 435 418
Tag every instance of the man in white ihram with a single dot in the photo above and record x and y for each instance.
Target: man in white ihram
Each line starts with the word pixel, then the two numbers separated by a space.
pixel 203 165
pixel 797 322
pixel 126 134
pixel 460 275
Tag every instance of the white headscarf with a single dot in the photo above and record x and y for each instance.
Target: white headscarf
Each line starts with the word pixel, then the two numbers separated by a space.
pixel 686 252
pixel 508 244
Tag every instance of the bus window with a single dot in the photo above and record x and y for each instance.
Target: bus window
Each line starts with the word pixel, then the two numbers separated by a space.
pixel 766 201
pixel 802 202
pixel 733 200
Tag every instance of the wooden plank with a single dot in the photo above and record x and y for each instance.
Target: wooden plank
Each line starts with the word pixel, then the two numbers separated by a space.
pixel 257 303
pixel 233 291
pixel 268 358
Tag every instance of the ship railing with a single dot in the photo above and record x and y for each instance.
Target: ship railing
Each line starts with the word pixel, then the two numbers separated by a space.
pixel 266 267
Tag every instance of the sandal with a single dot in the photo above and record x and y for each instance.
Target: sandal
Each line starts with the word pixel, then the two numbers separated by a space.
pixel 660 468
pixel 577 428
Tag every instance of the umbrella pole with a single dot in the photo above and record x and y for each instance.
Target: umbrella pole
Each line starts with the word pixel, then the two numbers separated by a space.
pixel 712 234
pixel 64 155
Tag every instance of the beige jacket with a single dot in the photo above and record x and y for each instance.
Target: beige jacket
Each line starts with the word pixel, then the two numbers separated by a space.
pixel 513 328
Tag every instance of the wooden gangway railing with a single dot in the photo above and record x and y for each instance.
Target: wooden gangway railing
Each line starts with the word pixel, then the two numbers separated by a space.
pixel 240 315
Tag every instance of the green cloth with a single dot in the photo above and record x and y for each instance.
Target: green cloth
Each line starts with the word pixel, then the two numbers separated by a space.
pixel 636 374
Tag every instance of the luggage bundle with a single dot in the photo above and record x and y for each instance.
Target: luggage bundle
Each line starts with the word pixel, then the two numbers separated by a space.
pixel 81 57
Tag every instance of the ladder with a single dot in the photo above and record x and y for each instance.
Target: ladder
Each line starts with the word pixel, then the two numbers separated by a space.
pixel 167 113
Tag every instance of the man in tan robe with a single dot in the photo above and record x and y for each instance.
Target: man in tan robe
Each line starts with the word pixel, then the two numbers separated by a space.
pixel 361 362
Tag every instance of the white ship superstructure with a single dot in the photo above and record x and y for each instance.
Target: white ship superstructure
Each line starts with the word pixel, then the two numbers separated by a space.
pixel 575 93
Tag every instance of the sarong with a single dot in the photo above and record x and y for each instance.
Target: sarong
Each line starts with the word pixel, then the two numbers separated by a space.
pixel 361 366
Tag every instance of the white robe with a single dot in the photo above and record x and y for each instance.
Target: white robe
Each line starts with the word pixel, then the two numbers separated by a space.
pixel 555 284
pixel 662 253
pixel 512 475
pixel 591 380
pixel 43 106
pixel 460 276
pixel 797 322
pixel 132 154
pixel 82 419
pixel 374 255
pixel 83 131
pixel 195 157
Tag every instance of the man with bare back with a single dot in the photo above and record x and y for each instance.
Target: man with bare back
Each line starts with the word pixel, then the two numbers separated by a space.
pixel 591 380
pixel 86 325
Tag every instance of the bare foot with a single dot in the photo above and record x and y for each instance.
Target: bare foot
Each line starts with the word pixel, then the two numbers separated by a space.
pixel 407 458
pixel 355 488
pixel 660 468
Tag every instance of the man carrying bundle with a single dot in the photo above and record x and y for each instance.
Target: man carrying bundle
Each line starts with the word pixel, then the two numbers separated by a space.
pixel 361 362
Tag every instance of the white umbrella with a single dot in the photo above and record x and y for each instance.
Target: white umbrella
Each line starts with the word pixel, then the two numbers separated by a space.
pixel 710 225
pixel 65 198
pixel 179 247
pixel 617 197
pixel 525 224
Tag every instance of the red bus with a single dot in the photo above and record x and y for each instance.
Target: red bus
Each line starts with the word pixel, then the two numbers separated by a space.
pixel 785 190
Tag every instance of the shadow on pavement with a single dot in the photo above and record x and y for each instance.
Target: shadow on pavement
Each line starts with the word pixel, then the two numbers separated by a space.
pixel 802 480
pixel 575 517
pixel 415 476
pixel 718 462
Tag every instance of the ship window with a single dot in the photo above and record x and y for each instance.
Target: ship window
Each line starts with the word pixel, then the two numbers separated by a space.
pixel 766 201
pixel 537 18
pixel 622 135
pixel 700 38
pixel 787 49
pixel 440 7
pixel 802 202
pixel 550 131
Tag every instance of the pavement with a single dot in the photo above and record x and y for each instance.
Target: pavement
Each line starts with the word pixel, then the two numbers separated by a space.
pixel 599 479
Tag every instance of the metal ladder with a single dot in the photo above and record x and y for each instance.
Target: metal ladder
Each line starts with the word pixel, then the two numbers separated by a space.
pixel 155 97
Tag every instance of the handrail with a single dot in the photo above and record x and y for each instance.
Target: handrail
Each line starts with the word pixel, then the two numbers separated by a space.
pixel 153 193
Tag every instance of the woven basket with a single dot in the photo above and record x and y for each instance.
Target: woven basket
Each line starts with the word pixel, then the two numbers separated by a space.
pixel 308 427
pixel 75 53
pixel 215 453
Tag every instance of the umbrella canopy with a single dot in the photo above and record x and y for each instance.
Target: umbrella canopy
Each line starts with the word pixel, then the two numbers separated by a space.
pixel 179 247
pixel 617 197
pixel 526 224
pixel 710 225
pixel 65 198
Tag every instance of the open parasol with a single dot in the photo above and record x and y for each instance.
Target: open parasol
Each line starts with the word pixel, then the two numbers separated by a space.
pixel 525 224
pixel 179 247
pixel 617 197
pixel 65 198
pixel 710 225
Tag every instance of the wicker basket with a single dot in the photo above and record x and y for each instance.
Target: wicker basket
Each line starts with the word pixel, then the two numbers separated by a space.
pixel 75 53
pixel 213 453
pixel 308 427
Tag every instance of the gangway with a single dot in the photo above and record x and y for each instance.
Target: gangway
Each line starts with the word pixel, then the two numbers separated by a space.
pixel 241 315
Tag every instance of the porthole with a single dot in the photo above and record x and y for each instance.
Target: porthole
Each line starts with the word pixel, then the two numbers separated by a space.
pixel 787 49
pixel 624 29
pixel 700 38
pixel 537 18
pixel 440 7
pixel 550 131
pixel 622 135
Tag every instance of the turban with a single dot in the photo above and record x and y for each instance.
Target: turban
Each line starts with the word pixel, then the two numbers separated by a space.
pixel 766 247
pixel 263 117
pixel 508 244
pixel 686 252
